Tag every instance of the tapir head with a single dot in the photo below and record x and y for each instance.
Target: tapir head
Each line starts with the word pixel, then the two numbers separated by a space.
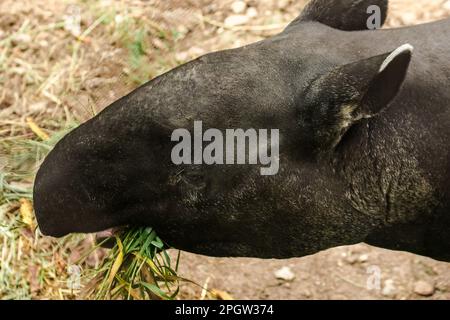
pixel 315 83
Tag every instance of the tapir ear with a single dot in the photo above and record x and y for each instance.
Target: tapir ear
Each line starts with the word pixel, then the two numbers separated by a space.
pixel 346 15
pixel 349 93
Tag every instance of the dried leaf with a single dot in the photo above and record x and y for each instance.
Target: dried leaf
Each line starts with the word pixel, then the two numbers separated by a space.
pixel 117 263
pixel 36 129
pixel 26 212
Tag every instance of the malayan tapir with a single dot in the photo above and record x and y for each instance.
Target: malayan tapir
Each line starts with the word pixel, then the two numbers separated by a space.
pixel 364 140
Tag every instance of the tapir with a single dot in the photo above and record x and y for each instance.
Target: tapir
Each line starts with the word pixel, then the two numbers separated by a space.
pixel 364 139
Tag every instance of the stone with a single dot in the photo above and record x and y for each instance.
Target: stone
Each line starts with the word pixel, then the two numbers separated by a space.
pixel 285 274
pixel 238 7
pixel 251 12
pixel 389 289
pixel 423 288
pixel 363 258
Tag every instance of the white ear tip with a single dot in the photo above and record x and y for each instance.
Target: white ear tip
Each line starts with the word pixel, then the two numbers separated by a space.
pixel 402 49
pixel 406 47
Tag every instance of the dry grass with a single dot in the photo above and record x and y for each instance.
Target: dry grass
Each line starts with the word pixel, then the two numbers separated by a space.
pixel 48 81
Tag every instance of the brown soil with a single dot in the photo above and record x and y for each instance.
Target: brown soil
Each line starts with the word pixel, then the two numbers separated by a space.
pixel 339 273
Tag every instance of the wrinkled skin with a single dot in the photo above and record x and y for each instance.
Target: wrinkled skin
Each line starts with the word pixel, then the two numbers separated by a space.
pixel 378 173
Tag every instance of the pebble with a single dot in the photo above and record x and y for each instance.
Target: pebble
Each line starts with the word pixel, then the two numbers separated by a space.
pixel 285 274
pixel 363 258
pixel 251 12
pixel 351 259
pixel 236 20
pixel 389 289
pixel 423 288
pixel 238 7
pixel 306 293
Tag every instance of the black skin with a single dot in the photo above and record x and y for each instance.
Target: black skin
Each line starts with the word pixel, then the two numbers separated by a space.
pixel 378 173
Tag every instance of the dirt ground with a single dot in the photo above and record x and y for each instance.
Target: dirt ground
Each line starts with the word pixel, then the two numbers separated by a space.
pixel 55 74
pixel 339 273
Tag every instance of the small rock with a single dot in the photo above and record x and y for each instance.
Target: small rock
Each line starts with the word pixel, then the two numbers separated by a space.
pixel 236 20
pixel 351 259
pixel 306 293
pixel 238 7
pixel 389 289
pixel 285 274
pixel 251 12
pixel 423 288
pixel 363 258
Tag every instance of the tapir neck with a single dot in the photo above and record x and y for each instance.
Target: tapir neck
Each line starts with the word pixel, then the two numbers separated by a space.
pixel 386 181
